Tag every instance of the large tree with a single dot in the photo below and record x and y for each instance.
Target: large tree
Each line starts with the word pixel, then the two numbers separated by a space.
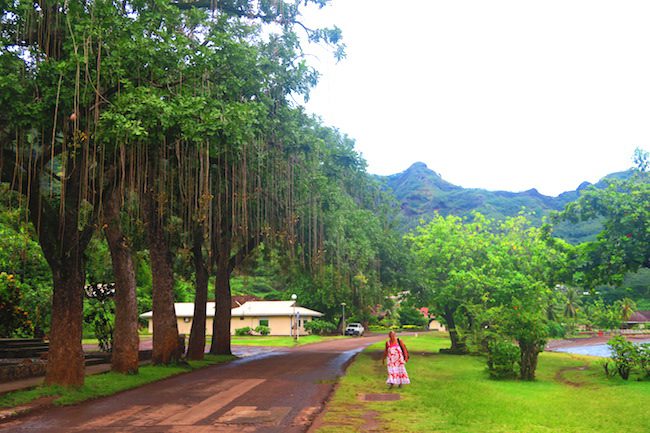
pixel 452 257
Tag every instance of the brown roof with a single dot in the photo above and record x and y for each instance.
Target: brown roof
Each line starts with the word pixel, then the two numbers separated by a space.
pixel 242 299
pixel 639 317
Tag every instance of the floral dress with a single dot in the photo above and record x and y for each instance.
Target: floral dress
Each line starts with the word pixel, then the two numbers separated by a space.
pixel 397 374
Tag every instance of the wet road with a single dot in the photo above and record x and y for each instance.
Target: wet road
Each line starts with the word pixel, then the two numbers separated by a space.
pixel 278 391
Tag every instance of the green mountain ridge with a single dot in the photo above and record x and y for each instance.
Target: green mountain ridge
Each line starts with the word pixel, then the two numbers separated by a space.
pixel 421 192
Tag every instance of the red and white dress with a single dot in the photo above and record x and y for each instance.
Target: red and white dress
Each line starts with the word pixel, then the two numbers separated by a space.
pixel 397 374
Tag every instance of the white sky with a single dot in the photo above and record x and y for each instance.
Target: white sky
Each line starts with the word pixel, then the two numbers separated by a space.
pixel 491 94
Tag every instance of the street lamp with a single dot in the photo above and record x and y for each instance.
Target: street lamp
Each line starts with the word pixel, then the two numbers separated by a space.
pixel 295 319
pixel 343 318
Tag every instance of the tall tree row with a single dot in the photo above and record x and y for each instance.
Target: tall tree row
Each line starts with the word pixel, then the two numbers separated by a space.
pixel 176 118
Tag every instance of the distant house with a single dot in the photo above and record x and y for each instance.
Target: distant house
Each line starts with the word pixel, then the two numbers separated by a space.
pixel 434 324
pixel 279 316
pixel 639 318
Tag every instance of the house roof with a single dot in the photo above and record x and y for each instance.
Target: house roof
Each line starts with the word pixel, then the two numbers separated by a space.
pixel 248 309
pixel 272 308
pixel 639 317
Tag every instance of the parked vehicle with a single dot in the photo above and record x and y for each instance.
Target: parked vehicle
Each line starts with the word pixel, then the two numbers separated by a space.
pixel 354 329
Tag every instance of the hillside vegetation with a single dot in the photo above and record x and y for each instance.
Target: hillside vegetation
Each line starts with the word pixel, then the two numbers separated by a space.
pixel 421 192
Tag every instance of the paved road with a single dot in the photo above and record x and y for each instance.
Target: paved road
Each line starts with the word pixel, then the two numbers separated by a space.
pixel 279 391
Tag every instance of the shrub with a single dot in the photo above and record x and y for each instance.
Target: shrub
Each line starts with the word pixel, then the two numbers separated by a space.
pixel 243 331
pixel 378 328
pixel 643 358
pixel 320 327
pixel 100 316
pixel 501 360
pixel 624 355
pixel 263 330
pixel 14 320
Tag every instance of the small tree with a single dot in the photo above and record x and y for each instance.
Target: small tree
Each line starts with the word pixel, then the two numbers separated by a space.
pixel 526 263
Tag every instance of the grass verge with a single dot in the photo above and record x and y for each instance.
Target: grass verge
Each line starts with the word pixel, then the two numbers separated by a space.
pixel 104 384
pixel 280 341
pixel 453 394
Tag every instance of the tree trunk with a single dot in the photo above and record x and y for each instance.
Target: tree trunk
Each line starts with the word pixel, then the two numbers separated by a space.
pixel 165 329
pixel 221 325
pixel 226 263
pixel 196 345
pixel 63 246
pixel 126 343
pixel 528 364
pixel 457 343
pixel 65 358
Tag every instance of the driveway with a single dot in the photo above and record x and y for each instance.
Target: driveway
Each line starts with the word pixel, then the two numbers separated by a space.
pixel 278 391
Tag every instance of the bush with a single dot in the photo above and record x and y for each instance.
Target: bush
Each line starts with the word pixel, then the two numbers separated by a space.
pixel 100 316
pixel 410 327
pixel 378 328
pixel 263 330
pixel 243 331
pixel 624 355
pixel 502 357
pixel 14 321
pixel 320 327
pixel 643 358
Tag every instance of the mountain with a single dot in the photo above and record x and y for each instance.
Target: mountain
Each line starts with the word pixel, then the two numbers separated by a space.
pixel 421 192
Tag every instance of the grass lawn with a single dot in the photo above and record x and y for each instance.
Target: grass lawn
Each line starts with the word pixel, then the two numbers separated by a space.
pixel 100 385
pixel 453 394
pixel 279 340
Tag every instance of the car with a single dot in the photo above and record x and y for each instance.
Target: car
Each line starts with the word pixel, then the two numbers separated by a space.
pixel 354 329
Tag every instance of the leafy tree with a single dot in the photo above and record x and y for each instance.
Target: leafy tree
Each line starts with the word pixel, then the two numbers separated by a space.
pixel 451 258
pixel 409 315
pixel 526 264
pixel 623 243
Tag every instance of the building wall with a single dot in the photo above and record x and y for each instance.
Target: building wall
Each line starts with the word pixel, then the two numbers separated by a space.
pixel 434 325
pixel 279 325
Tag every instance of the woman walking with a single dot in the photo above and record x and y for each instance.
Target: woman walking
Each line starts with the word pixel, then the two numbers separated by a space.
pixel 397 356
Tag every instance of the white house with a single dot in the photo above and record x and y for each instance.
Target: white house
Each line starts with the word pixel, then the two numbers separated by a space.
pixel 279 316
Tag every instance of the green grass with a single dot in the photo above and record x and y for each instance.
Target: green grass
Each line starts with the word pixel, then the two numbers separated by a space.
pixel 104 384
pixel 453 394
pixel 279 341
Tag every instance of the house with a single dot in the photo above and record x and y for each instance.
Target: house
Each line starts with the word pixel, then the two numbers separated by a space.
pixel 434 324
pixel 639 318
pixel 279 316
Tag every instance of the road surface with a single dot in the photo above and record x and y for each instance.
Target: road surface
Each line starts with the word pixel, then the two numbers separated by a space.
pixel 279 391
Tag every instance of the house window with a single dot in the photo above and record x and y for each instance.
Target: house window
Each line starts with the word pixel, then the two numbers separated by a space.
pixel 241 317
pixel 186 319
pixel 264 322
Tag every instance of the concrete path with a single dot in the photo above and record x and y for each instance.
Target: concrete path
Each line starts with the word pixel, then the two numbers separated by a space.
pixel 278 391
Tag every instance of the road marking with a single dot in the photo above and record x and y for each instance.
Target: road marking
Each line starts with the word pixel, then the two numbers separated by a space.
pixel 211 429
pixel 154 414
pixel 253 415
pixel 114 417
pixel 207 407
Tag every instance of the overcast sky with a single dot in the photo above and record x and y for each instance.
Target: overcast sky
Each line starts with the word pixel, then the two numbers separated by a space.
pixel 493 94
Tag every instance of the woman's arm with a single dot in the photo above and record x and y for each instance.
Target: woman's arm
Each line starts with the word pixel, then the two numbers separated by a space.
pixel 404 351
